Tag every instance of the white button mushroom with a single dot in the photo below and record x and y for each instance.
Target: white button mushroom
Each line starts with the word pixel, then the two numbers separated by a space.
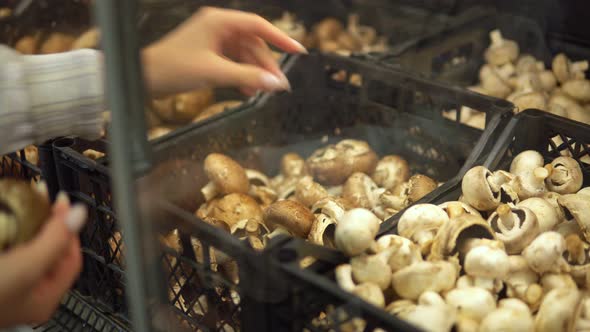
pixel 526 161
pixel 472 304
pixel 532 184
pixel 431 314
pixel 372 268
pixel 547 216
pixel 501 51
pixel 516 227
pixel 493 81
pixel 356 231
pixel 411 281
pixel 403 251
pixel 522 282
pixel 557 310
pixel 486 264
pixel 578 207
pixel 483 189
pixel 367 291
pixel 551 281
pixel 420 223
pixel 466 207
pixel 511 315
pixel 545 253
pixel 579 89
pixel 564 69
pixel 566 176
pixel 584 191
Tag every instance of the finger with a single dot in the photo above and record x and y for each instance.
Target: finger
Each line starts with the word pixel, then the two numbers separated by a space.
pixel 248 23
pixel 258 50
pixel 224 72
pixel 62 276
pixel 248 91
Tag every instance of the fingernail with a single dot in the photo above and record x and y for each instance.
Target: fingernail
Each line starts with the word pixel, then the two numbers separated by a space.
pixel 285 82
pixel 76 218
pixel 274 83
pixel 300 47
pixel 41 188
pixel 62 198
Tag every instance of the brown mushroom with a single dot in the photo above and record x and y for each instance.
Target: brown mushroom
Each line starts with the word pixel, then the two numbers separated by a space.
pixel 309 192
pixel 216 108
pixel 391 171
pixel 184 107
pixel 234 208
pixel 28 44
pixel 360 190
pixel 225 176
pixel 291 27
pixel 328 29
pixel 291 215
pixel 322 231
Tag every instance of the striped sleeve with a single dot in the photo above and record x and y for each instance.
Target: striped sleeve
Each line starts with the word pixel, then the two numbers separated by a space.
pixel 46 96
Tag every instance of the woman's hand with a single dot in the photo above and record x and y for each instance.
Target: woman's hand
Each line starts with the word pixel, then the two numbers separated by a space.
pixel 201 52
pixel 35 276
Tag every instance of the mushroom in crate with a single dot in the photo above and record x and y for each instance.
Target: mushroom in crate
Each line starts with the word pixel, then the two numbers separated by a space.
pixel 512 254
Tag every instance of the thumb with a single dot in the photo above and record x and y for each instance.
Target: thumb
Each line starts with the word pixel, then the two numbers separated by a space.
pixel 225 72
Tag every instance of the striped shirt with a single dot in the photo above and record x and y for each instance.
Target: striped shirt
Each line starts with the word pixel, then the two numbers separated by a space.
pixel 47 96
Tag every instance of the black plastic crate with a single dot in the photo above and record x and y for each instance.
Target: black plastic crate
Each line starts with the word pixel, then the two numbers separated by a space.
pixel 551 135
pixel 75 314
pixel 456 55
pixel 392 110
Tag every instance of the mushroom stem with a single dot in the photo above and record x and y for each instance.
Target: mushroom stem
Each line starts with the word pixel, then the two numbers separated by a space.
pixel 344 277
pixel 209 191
pixel 541 173
pixel 496 37
pixel 496 180
pixel 455 209
pixel 506 216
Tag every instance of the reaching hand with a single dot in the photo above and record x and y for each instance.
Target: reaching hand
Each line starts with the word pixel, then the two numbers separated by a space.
pixel 36 275
pixel 218 47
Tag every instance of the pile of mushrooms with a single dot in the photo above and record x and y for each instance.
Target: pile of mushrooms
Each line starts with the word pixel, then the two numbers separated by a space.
pixel 526 82
pixel 511 255
pixel 330 35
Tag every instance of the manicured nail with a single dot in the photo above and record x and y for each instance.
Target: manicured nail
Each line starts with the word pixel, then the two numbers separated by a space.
pixel 300 47
pixel 41 188
pixel 285 81
pixel 76 218
pixel 273 83
pixel 62 198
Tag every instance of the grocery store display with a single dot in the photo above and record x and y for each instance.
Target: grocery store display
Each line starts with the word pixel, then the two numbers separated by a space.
pixel 525 81
pixel 24 207
pixel 505 256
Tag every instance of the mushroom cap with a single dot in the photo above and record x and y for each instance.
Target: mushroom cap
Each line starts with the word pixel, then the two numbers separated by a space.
pixel 332 207
pixel 227 175
pixel 526 161
pixel 547 216
pixel 24 210
pixel 578 206
pixel 584 191
pixel 309 192
pixel 403 251
pixel 454 235
pixel 235 207
pixel 184 107
pixel 215 109
pixel 333 164
pixel 322 231
pixel 391 171
pixel 526 63
pixel 292 165
pixel 520 229
pixel 493 84
pixel 501 51
pixel 508 318
pixel 421 222
pixel 466 207
pixel 529 100
pixel 328 29
pixel 371 293
pixel 356 231
pixel 411 281
pixel 560 66
pixel 441 316
pixel 545 253
pixel 419 186
pixel 477 191
pixel 557 310
pixel 471 302
pixel 371 268
pixel 487 262
pixel 566 176
pixel 551 281
pixel 578 89
pixel 349 42
pixel 548 80
pixel 291 215
pixel 359 190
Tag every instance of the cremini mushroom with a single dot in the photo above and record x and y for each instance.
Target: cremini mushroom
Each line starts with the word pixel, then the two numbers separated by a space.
pixel 291 215
pixel 322 231
pixel 545 253
pixel 566 176
pixel 522 282
pixel 328 29
pixel 225 176
pixel 546 213
pixel 365 35
pixel 516 227
pixel 290 26
pixel 333 164
pixel 252 230
pixel 511 315
pixel 420 223
pixel 356 231
pixel 233 208
pixel 418 186
pixel 556 312
pixel 391 171
pixel 454 236
pixel 565 70
pixel 411 281
pixel 360 190
pixel 501 51
pixel 184 107
pixel 24 209
pixel 332 207
pixel 215 109
pixel 577 206
pixel 472 305
pixel 309 192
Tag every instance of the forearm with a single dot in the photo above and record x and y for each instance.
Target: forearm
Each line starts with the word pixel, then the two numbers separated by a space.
pixel 46 96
